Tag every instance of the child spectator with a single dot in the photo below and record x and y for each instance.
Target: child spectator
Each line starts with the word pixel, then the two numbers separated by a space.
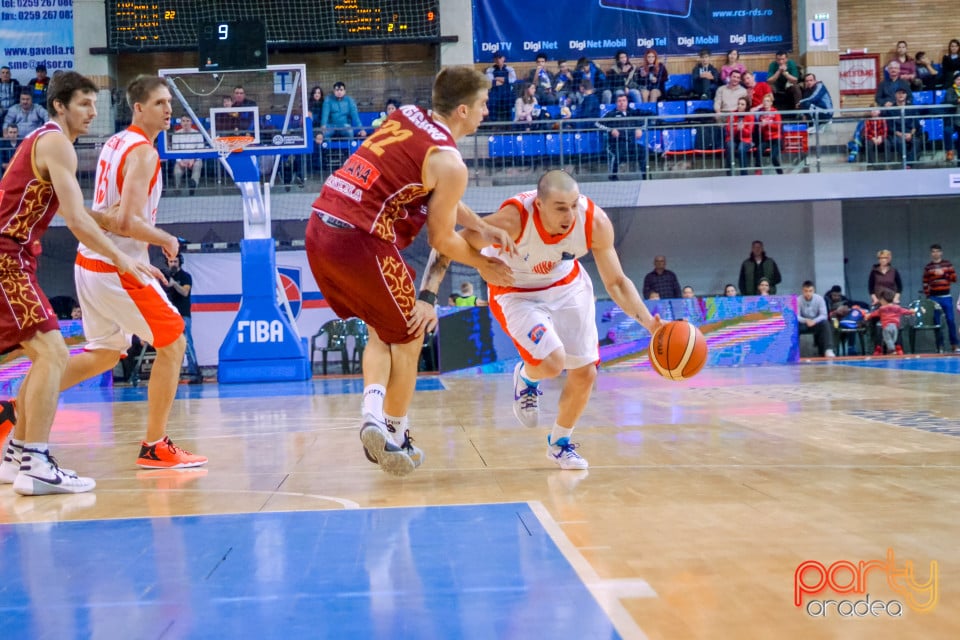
pixel 889 317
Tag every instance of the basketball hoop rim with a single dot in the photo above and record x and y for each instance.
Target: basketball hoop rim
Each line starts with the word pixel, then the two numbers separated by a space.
pixel 225 145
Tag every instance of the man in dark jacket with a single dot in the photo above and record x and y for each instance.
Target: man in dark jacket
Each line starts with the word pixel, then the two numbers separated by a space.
pixel 758 266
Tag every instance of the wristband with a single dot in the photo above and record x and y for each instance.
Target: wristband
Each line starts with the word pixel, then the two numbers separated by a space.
pixel 428 296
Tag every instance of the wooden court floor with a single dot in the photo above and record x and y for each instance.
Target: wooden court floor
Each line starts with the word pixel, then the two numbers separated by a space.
pixel 702 500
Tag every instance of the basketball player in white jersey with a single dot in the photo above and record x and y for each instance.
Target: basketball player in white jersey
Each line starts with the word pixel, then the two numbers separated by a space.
pixel 549 311
pixel 128 186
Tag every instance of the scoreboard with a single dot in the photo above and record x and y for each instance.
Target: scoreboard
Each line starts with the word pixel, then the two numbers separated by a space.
pixel 143 25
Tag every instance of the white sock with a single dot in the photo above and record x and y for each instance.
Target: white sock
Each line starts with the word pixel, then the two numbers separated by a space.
pixel 373 401
pixel 39 447
pixel 559 432
pixel 525 375
pixel 150 444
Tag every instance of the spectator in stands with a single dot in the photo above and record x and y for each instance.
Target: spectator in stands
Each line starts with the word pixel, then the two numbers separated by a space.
pixel 240 99
pixel 563 83
pixel 227 123
pixel 468 298
pixel 938 274
pixel 812 318
pixel 755 91
pixel 542 79
pixel 589 102
pixel 9 89
pixel 870 138
pixel 8 145
pixel 623 138
pixel 705 76
pixel 340 118
pixel 653 77
pixel 315 103
pixel 908 67
pixel 738 137
pixel 950 63
pixel 733 64
pixel 389 107
pixel 38 86
pixel 25 115
pixel 661 281
pixel 623 78
pixel 763 287
pixel 888 313
pixel 884 276
pixel 886 95
pixel 730 291
pixel 758 266
pixel 186 136
pixel 526 109
pixel 927 75
pixel 688 293
pixel 768 134
pixel 729 94
pixel 951 96
pixel 500 97
pixel 902 129
pixel 783 76
pixel 586 69
pixel 816 100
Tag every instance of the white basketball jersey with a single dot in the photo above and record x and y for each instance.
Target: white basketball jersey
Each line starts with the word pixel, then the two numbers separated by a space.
pixel 543 260
pixel 110 185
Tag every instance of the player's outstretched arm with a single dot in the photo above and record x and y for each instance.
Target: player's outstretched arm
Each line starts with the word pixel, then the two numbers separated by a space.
pixel 56 155
pixel 138 174
pixel 618 285
pixel 447 176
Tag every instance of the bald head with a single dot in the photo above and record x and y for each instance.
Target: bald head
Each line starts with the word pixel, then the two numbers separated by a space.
pixel 556 181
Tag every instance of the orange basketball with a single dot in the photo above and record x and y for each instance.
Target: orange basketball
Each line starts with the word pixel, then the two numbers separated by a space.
pixel 678 350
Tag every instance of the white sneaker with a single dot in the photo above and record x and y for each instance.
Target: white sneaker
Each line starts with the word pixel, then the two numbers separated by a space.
pixel 563 452
pixel 40 475
pixel 10 465
pixel 526 400
pixel 828 353
pixel 378 444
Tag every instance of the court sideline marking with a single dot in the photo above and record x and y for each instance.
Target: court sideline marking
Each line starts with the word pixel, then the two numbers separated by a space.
pixel 607 592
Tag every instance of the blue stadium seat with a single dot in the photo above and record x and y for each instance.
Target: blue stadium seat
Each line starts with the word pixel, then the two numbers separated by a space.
pixel 760 76
pixel 672 111
pixel 647 108
pixel 684 80
pixel 933 128
pixel 553 110
pixel 651 139
pixel 693 105
pixel 678 141
pixel 367 118
pixel 529 145
pixel 587 143
pixel 500 146
pixel 923 97
pixel 606 108
pixel 553 144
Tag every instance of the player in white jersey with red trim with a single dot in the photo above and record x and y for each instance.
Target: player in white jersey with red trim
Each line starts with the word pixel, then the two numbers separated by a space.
pixel 549 311
pixel 114 307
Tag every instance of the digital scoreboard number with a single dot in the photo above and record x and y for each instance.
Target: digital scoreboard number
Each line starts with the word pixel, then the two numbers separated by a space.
pixel 229 46
pixel 171 25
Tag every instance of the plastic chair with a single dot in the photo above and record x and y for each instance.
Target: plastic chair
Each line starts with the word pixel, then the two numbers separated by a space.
pixel 928 318
pixel 335 332
pixel 357 329
pixel 852 324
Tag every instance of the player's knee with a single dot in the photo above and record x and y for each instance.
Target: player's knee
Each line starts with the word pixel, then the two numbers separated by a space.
pixel 552 365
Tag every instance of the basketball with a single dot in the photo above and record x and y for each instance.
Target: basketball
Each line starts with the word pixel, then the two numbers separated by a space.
pixel 678 350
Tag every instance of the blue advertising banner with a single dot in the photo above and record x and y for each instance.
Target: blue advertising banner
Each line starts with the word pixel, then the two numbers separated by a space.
pixel 569 29
pixel 36 32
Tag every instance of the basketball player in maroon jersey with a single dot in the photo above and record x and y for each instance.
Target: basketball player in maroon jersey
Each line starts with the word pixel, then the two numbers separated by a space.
pixel 407 174
pixel 39 183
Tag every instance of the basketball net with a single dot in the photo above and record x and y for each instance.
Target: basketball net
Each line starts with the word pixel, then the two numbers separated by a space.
pixel 225 145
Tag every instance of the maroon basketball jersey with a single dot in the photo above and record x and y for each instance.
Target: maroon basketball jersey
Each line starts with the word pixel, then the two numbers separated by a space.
pixel 380 187
pixel 27 203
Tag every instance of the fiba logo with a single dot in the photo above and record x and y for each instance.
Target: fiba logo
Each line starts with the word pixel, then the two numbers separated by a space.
pixel 290 281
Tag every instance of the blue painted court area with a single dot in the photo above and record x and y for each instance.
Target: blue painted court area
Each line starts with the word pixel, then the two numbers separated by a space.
pixel 481 571
pixel 318 386
pixel 947 364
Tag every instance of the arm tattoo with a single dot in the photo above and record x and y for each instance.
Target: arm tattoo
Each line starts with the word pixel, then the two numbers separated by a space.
pixel 436 268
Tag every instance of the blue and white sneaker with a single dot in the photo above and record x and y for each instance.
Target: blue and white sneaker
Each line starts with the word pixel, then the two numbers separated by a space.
pixel 563 453
pixel 378 444
pixel 526 399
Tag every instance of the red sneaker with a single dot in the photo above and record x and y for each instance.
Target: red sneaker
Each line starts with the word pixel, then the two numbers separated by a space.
pixel 878 351
pixel 166 455
pixel 8 419
pixel 899 350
